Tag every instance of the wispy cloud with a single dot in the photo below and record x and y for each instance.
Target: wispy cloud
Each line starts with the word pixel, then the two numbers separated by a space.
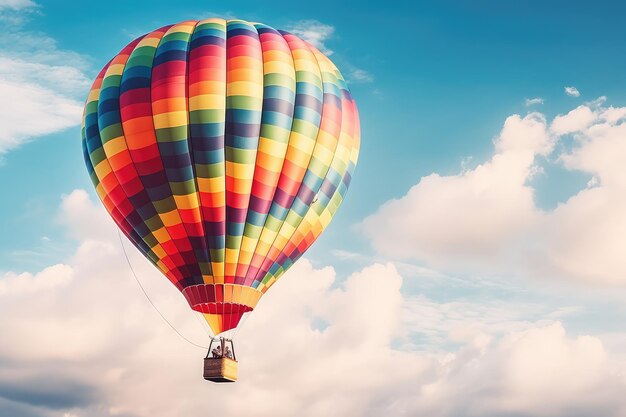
pixel 314 32
pixel 572 91
pixel 345 255
pixel 16 4
pixel 40 84
pixel 358 75
pixel 34 104
pixel 15 12
pixel 533 101
pixel 317 34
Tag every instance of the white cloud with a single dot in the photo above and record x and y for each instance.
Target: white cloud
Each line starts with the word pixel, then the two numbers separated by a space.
pixel 61 77
pixel 13 14
pixel 99 324
pixel 542 371
pixel 584 237
pixel 317 34
pixel 532 101
pixel 575 120
pixel 444 217
pixel 314 32
pixel 345 255
pixel 572 91
pixel 32 110
pixel 360 76
pixel 536 372
pixel 41 86
pixel 525 135
pixel 85 220
pixel 16 4
pixel 487 218
pixel 51 277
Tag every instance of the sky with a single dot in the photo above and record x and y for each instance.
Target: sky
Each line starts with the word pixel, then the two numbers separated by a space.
pixel 475 268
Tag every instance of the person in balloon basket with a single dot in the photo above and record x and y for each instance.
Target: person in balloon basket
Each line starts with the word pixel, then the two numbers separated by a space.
pixel 228 353
pixel 217 352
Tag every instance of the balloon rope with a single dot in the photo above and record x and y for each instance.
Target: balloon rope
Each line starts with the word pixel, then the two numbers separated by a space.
pixel 150 300
pixel 241 323
pixel 245 300
pixel 203 324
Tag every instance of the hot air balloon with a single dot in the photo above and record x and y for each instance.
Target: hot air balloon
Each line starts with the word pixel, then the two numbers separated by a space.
pixel 221 149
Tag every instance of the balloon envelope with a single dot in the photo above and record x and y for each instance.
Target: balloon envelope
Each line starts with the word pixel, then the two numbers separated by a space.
pixel 222 149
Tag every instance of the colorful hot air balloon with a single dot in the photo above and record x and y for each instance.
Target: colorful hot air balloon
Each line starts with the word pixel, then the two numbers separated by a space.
pixel 222 149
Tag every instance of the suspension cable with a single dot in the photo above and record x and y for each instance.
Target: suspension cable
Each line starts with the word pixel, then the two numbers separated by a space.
pixel 203 324
pixel 150 300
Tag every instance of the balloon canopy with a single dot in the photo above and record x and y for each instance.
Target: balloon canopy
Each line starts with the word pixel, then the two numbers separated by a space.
pixel 222 149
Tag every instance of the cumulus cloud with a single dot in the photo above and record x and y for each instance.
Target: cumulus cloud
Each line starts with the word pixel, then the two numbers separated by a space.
pixel 471 214
pixel 53 276
pixel 574 120
pixel 536 372
pixel 487 218
pixel 85 220
pixel 584 237
pixel 542 371
pixel 533 101
pixel 94 347
pixel 572 91
pixel 40 84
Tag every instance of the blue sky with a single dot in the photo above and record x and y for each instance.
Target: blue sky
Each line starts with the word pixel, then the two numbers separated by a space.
pixel 444 76
pixel 486 215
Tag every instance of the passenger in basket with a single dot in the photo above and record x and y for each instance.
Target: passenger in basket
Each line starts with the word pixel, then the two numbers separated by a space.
pixel 228 353
pixel 217 352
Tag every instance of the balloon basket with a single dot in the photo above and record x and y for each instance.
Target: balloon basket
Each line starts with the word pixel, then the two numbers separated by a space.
pixel 220 369
pixel 220 364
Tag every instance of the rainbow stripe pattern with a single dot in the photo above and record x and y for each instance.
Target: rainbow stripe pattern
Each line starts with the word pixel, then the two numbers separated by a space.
pixel 222 149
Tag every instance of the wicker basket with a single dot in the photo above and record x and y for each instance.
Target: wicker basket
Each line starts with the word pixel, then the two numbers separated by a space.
pixel 220 369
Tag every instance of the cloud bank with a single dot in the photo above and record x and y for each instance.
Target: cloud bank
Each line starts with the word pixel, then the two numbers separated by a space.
pixel 85 342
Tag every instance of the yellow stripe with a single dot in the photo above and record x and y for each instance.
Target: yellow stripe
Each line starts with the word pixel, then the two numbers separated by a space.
pixel 151 41
pixel 171 218
pixel 239 171
pixel 280 67
pixel 159 251
pixel 187 201
pixel 212 185
pixel 207 102
pixel 170 119
pixel 271 147
pixel 102 169
pixel 161 235
pixel 115 146
pixel 115 69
